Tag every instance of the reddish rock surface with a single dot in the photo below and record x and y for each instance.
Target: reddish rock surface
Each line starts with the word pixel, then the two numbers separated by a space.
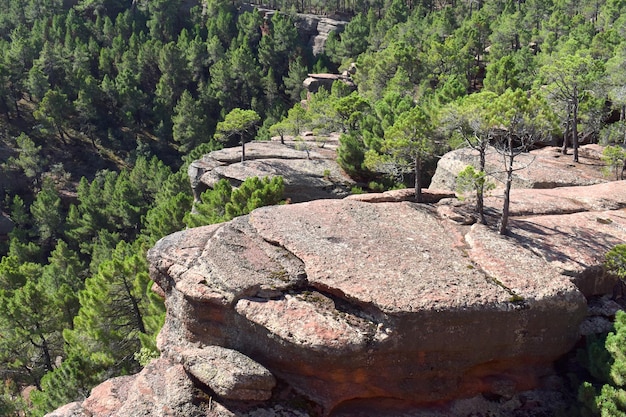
pixel 307 176
pixel 360 308
pixel 406 194
pixel 541 168
pixel 346 299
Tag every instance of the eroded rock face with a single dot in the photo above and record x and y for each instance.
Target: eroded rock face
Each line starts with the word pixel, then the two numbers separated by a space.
pixel 307 175
pixel 315 30
pixel 541 168
pixel 346 299
pixel 354 308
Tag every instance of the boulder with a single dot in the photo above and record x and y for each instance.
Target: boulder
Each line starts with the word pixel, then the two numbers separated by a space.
pixel 228 373
pixel 313 82
pixel 345 300
pixel 308 174
pixel 164 389
pixel 376 307
pixel 540 168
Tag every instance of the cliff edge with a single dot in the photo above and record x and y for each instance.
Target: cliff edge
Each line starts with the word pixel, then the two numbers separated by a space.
pixel 347 308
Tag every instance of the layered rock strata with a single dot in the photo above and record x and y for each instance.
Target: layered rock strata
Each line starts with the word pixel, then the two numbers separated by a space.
pixel 308 167
pixel 540 168
pixel 347 300
pixel 353 308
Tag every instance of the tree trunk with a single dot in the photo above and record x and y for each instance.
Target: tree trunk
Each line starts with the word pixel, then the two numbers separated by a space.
pixel 622 117
pixel 480 203
pixel 483 157
pixel 243 148
pixel 480 191
pixel 418 180
pixel 135 305
pixel 566 134
pixel 61 134
pixel 504 220
pixel 575 130
pixel 46 354
pixel 17 110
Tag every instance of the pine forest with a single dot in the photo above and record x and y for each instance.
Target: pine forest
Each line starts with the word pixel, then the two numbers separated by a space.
pixel 105 103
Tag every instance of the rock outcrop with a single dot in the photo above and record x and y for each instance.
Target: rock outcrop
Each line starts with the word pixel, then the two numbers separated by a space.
pixel 372 304
pixel 348 308
pixel 541 168
pixel 315 30
pixel 313 82
pixel 312 29
pixel 308 167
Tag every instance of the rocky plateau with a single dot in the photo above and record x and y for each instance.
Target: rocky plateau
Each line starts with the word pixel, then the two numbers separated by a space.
pixel 373 305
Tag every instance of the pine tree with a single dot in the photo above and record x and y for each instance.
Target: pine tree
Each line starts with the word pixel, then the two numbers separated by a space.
pixel 47 214
pixel 188 121
pixel 224 203
pixel 115 310
pixel 238 123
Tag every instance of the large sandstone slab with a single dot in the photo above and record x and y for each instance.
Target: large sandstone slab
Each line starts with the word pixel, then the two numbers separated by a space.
pixel 344 299
pixel 541 168
pixel 564 200
pixel 307 176
pixel 228 373
pixel 571 228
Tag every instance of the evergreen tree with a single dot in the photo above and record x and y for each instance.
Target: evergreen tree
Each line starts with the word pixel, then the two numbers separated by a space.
pixel 571 79
pixel 238 123
pixel 47 214
pixel 62 279
pixel 188 123
pixel 114 310
pixel 224 203
pixel 53 110
pixel 29 323
pixel 293 80
pixel 405 147
pixel 517 121
pixel 29 159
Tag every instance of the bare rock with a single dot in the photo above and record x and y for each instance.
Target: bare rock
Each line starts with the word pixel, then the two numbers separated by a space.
pixel 542 168
pixel 456 215
pixel 575 244
pixel 228 373
pixel 535 403
pixel 565 200
pixel 315 30
pixel 342 299
pixel 313 82
pixel 406 194
pixel 69 410
pixel 161 389
pixel 595 325
pixel 387 309
pixel 307 176
pixel 164 389
pixel 106 398
pixel 571 228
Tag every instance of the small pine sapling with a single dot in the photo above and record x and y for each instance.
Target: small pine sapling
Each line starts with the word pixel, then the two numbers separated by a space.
pixel 471 180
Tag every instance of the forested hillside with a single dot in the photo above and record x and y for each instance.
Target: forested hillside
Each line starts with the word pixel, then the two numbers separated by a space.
pixel 103 103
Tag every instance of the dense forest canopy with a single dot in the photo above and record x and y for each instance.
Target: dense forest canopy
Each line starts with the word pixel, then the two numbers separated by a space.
pixel 103 103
